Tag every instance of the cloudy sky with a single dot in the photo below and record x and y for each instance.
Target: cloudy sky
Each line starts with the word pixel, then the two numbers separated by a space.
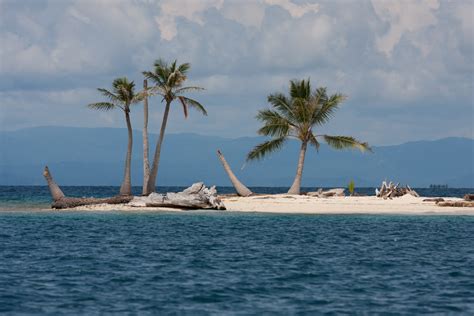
pixel 406 66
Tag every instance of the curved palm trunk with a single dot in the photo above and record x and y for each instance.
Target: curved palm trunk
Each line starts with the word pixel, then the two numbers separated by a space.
pixel 156 159
pixel 126 188
pixel 146 163
pixel 56 192
pixel 295 187
pixel 241 189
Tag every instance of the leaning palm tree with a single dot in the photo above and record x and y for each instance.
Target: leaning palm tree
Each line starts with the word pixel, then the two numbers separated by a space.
pixel 168 82
pixel 295 116
pixel 122 96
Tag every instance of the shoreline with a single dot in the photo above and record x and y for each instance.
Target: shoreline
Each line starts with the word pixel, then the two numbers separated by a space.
pixel 301 204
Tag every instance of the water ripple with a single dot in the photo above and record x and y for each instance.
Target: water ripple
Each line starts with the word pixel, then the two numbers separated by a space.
pixel 221 263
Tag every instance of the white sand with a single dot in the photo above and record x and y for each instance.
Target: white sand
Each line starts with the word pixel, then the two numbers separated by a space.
pixel 341 205
pixel 283 203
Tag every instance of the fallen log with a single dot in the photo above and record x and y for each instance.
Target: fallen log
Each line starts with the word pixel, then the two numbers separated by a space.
pixel 324 194
pixel 60 201
pixel 457 203
pixel 434 200
pixel 241 189
pixel 195 197
pixel 469 197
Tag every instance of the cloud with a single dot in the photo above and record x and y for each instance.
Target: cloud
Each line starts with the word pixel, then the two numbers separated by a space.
pixel 404 17
pixel 189 9
pixel 397 61
pixel 295 10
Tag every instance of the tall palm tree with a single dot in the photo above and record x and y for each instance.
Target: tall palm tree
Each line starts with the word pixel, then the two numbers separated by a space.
pixel 295 116
pixel 168 82
pixel 122 96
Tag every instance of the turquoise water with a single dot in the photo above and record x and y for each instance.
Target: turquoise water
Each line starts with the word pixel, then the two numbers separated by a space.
pixel 234 263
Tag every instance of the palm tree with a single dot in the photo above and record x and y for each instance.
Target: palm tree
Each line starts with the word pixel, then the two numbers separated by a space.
pixel 122 96
pixel 168 80
pixel 295 116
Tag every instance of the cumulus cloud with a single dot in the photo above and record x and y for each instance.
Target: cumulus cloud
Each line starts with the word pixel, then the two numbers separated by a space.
pixel 404 17
pixel 395 59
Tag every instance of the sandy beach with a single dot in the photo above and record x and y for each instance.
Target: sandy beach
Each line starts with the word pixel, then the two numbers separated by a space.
pixel 341 205
pixel 300 204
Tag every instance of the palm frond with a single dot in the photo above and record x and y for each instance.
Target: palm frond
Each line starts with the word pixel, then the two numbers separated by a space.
pixel 185 107
pixel 300 88
pixel 343 142
pixel 188 89
pixel 327 109
pixel 153 77
pixel 274 124
pixel 109 95
pixel 140 96
pixel 101 106
pixel 313 141
pixel 192 104
pixel 184 68
pixel 259 151
pixel 281 103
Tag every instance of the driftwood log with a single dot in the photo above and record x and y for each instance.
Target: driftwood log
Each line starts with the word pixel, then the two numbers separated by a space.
pixel 391 190
pixel 469 197
pixel 324 194
pixel 195 197
pixel 241 189
pixel 456 203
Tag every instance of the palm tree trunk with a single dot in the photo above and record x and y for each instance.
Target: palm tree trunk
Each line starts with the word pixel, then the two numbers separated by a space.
pixel 146 163
pixel 126 188
pixel 295 187
pixel 56 192
pixel 241 189
pixel 156 159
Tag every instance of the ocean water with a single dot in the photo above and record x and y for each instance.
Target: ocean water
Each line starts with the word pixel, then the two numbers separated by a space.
pixel 222 263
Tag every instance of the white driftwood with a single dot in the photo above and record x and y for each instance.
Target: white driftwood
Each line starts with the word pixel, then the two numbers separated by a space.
pixel 196 196
pixel 324 194
pixel 391 190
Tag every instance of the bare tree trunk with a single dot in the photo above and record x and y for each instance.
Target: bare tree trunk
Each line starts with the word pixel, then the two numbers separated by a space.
pixel 126 188
pixel 146 163
pixel 61 201
pixel 156 159
pixel 296 186
pixel 241 189
pixel 56 192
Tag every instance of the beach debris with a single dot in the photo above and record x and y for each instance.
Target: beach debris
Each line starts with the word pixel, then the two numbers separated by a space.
pixel 324 194
pixel 391 190
pixel 436 200
pixel 197 196
pixel 241 189
pixel 456 203
pixel 469 197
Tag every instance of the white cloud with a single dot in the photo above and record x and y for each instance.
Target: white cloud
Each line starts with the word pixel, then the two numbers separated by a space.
pixel 406 16
pixel 189 9
pixel 295 10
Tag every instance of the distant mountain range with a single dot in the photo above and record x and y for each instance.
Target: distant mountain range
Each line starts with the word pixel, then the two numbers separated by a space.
pixel 94 156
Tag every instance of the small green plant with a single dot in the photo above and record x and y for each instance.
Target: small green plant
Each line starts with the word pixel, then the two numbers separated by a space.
pixel 351 187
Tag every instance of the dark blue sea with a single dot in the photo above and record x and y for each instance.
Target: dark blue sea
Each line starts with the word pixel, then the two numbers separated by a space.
pixel 222 263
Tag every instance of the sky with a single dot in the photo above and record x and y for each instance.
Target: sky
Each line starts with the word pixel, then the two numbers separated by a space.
pixel 406 66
